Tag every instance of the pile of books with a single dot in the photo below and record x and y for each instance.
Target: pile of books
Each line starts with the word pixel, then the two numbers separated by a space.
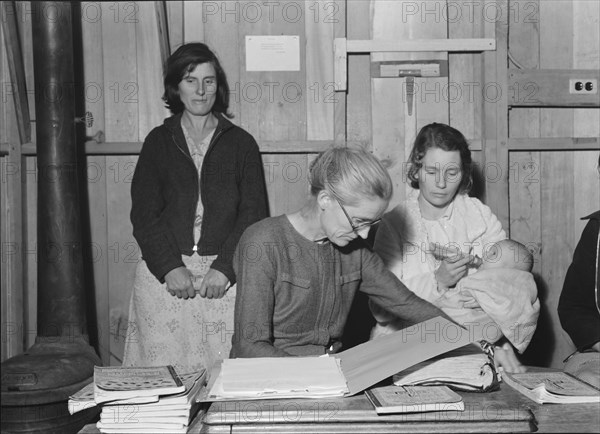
pixel 141 399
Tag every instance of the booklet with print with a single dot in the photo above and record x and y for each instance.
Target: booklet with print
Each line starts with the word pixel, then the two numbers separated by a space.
pixel 552 387
pixel 116 382
pixel 414 399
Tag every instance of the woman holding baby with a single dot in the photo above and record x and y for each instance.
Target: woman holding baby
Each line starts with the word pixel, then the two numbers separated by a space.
pixel 430 242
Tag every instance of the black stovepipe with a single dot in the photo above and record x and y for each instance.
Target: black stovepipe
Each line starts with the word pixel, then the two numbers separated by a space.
pixel 36 384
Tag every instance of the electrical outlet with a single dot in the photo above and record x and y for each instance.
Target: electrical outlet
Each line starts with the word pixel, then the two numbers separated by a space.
pixel 587 86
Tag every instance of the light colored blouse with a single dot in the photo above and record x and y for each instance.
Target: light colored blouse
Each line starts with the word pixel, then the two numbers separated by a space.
pixel 197 151
pixel 404 236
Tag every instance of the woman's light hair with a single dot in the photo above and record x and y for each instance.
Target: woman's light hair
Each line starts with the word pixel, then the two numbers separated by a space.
pixel 350 174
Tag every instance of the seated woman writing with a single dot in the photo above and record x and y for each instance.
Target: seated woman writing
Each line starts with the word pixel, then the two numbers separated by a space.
pixel 298 273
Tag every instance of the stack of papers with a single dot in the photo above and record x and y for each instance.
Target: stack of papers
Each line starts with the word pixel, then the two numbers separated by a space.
pixel 145 403
pixel 276 377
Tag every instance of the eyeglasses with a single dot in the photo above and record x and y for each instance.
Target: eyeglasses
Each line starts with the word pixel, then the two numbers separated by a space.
pixel 356 228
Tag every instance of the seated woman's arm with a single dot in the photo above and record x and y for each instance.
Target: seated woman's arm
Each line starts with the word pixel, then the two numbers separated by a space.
pixel 388 293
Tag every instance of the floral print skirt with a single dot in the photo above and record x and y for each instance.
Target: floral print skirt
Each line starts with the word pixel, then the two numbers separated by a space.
pixel 165 330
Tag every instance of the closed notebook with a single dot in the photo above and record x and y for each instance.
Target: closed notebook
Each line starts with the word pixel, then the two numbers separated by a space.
pixel 414 399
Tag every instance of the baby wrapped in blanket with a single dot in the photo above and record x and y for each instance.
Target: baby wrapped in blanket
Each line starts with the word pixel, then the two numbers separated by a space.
pixel 499 299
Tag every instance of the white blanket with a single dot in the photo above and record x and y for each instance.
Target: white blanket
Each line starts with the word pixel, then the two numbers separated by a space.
pixel 493 303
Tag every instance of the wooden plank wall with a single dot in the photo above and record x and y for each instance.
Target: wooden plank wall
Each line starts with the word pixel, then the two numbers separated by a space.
pixel 394 126
pixel 551 190
pixel 11 276
pixel 122 82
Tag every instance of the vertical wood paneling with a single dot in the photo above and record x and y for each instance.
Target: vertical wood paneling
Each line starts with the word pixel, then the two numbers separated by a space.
pixel 556 51
pixel 495 115
pixel 524 176
pixel 121 89
pixel 121 111
pixel 339 16
pixel 30 248
pixel 565 191
pixel 175 23
pixel 586 55
pixel 358 100
pixel 273 103
pixel 388 101
pixel 525 182
pixel 319 94
pixel 11 270
pixel 557 236
pixel 465 73
pixel 394 127
pixel 286 180
pixel 524 47
pixel 221 35
pixel 29 188
pixel 193 22
pixel 281 99
pixel 93 70
pixel 149 84
pixel 524 189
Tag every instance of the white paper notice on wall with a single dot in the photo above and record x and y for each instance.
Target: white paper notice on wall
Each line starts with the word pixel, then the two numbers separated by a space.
pixel 272 53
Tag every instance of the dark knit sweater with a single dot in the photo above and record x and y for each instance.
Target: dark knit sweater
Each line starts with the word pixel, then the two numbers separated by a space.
pixel 579 304
pixel 164 194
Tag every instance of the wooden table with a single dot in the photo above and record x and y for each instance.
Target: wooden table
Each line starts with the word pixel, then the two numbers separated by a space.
pixel 500 411
pixel 504 410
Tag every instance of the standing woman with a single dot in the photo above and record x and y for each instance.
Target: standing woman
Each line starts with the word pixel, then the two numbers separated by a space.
pixel 197 186
pixel 298 272
pixel 438 211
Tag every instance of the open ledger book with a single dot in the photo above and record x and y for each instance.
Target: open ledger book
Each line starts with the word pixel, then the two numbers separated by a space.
pixel 342 374
pixel 469 368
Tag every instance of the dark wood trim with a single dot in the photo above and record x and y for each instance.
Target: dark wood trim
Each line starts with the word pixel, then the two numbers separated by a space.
pixel 553 143
pixel 163 31
pixel 266 147
pixel 16 68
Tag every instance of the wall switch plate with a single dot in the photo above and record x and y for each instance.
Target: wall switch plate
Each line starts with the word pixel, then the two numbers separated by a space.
pixel 583 86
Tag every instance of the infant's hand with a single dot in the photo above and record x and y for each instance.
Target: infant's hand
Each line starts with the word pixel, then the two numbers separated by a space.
pixel 506 360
